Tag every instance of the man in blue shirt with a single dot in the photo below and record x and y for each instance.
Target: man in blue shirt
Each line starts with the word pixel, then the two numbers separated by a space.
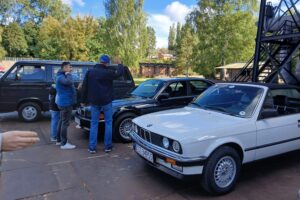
pixel 65 99
pixel 97 90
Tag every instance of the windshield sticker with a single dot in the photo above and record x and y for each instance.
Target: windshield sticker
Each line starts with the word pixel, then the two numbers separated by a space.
pixel 242 113
pixel 231 86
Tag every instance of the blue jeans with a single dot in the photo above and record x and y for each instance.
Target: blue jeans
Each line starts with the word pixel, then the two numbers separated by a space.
pixel 95 115
pixel 54 123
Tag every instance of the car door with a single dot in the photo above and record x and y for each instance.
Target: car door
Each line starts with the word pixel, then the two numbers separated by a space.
pixel 123 84
pixel 278 134
pixel 177 96
pixel 26 81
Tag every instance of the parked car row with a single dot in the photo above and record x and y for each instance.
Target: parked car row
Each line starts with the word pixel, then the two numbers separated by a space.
pixel 150 96
pixel 25 86
pixel 228 125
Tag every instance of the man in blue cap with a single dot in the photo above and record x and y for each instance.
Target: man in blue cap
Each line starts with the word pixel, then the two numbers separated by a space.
pixel 97 90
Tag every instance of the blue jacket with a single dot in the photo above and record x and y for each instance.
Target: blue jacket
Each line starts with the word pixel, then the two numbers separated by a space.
pixel 66 92
pixel 97 87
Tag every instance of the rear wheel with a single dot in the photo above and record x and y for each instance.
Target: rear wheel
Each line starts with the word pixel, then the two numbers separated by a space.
pixel 29 112
pixel 123 126
pixel 221 171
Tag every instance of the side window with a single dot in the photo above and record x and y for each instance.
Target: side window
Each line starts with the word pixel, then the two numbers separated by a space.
pixel 176 89
pixel 197 87
pixel 78 73
pixel 12 74
pixel 32 73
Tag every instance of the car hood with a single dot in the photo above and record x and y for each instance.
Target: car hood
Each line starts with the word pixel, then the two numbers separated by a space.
pixel 128 101
pixel 189 122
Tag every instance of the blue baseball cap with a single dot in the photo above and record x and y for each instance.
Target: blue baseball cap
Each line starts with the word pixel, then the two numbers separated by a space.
pixel 104 59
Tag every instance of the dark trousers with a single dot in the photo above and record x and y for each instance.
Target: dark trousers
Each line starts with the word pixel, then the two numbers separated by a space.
pixel 63 124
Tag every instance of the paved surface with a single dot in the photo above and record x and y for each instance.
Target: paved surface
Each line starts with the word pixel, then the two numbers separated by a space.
pixel 46 172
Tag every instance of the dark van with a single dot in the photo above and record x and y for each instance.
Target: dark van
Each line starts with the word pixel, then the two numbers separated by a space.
pixel 25 86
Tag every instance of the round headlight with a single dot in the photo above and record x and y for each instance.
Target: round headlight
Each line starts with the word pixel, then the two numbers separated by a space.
pixel 176 146
pixel 166 142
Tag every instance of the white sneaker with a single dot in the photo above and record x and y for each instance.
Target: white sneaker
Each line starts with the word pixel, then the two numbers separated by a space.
pixel 68 146
pixel 57 143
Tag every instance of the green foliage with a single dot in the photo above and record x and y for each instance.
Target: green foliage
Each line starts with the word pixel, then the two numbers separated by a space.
pixel 225 32
pixel 22 11
pixel 172 38
pixel 126 34
pixel 2 51
pixel 31 31
pixel 50 39
pixel 151 42
pixel 14 40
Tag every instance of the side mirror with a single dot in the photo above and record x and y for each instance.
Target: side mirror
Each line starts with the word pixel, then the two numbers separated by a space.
pixel 268 113
pixel 163 95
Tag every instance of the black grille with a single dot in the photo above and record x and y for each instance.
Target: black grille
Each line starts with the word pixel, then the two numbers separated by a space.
pixel 149 136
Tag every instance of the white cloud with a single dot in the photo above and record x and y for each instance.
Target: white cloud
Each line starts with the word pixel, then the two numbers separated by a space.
pixel 72 2
pixel 174 12
pixel 177 11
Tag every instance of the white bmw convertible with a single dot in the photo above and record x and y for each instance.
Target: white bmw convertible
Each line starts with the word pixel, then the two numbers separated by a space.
pixel 230 124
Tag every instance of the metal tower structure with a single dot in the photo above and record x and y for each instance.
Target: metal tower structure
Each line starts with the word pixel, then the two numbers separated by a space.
pixel 277 45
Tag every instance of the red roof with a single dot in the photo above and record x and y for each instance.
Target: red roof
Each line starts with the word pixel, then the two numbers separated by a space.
pixel 2 69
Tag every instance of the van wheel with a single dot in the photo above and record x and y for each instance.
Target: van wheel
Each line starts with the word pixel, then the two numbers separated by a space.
pixel 221 171
pixel 123 126
pixel 29 112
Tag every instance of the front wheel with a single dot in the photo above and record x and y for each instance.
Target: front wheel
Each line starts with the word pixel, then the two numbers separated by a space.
pixel 29 112
pixel 221 171
pixel 123 126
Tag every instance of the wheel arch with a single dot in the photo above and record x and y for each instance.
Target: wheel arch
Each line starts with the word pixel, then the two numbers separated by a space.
pixel 236 145
pixel 34 100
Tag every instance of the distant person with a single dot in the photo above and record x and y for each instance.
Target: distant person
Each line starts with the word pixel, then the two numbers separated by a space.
pixel 65 99
pixel 55 114
pixel 97 90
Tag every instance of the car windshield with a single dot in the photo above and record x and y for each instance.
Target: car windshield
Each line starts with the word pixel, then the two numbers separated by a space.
pixel 237 100
pixel 148 89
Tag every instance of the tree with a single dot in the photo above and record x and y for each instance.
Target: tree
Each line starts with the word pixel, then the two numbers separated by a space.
pixel 151 45
pixel 22 11
pixel 14 40
pixel 50 39
pixel 126 30
pixel 172 38
pixel 31 33
pixel 178 35
pixel 184 58
pixel 2 51
pixel 225 31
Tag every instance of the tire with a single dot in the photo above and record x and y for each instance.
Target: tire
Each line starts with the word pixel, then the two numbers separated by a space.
pixel 29 112
pixel 122 127
pixel 220 160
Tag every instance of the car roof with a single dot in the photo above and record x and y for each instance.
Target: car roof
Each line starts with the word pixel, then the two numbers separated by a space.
pixel 180 79
pixel 55 62
pixel 271 86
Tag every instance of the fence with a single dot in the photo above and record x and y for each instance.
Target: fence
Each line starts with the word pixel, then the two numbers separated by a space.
pixel 17 59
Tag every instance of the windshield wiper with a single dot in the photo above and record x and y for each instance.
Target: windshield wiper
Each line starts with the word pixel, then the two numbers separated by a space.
pixel 216 108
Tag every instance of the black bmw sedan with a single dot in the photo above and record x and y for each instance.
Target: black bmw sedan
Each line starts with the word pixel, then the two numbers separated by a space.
pixel 150 96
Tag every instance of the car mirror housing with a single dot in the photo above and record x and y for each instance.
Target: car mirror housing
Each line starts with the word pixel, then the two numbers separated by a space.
pixel 163 95
pixel 268 113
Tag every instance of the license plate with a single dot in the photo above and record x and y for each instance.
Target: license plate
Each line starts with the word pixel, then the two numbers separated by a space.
pixel 144 153
pixel 77 121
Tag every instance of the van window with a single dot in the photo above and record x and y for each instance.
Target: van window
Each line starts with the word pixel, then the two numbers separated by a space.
pixel 27 72
pixel 78 73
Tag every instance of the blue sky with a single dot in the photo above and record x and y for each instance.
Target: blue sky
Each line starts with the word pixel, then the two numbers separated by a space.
pixel 161 13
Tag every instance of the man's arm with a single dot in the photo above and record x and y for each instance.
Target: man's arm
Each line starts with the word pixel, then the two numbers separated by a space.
pixel 66 80
pixel 15 140
pixel 84 88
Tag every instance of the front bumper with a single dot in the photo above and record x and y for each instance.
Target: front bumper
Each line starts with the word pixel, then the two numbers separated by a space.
pixel 169 162
pixel 85 123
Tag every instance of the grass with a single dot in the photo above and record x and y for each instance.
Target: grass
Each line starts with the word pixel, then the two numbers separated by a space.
pixel 140 80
